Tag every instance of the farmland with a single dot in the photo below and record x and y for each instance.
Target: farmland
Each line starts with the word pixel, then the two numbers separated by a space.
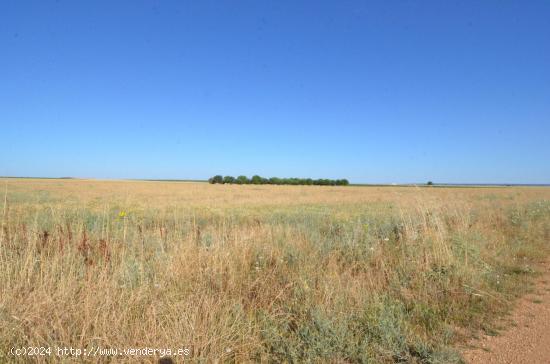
pixel 264 273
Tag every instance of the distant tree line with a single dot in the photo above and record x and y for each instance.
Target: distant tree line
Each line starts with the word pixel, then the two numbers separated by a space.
pixel 257 180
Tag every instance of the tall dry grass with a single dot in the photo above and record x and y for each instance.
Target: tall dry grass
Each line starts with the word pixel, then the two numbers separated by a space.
pixel 276 274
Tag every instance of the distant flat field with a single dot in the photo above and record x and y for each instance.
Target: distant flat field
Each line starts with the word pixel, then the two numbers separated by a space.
pixel 160 194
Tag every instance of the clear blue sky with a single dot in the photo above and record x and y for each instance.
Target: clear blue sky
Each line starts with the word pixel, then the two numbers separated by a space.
pixel 385 91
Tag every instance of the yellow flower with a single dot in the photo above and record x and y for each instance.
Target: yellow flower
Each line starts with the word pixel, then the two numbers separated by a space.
pixel 121 214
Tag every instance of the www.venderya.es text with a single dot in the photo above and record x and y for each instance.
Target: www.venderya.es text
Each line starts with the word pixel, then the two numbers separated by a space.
pixel 67 351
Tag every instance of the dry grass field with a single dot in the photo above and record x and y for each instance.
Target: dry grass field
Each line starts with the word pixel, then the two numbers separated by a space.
pixel 240 273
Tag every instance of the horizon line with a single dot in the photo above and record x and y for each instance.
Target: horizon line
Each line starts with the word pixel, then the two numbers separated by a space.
pixel 502 184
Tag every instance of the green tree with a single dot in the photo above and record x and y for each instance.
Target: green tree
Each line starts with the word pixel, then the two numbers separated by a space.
pixel 216 179
pixel 256 180
pixel 242 180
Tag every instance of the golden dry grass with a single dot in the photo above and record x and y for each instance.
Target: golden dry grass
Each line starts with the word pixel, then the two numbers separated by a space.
pixel 262 273
pixel 94 194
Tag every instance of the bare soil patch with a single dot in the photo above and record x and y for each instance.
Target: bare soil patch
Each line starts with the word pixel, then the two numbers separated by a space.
pixel 527 339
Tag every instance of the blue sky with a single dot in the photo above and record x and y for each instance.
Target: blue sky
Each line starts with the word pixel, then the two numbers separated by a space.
pixel 386 91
